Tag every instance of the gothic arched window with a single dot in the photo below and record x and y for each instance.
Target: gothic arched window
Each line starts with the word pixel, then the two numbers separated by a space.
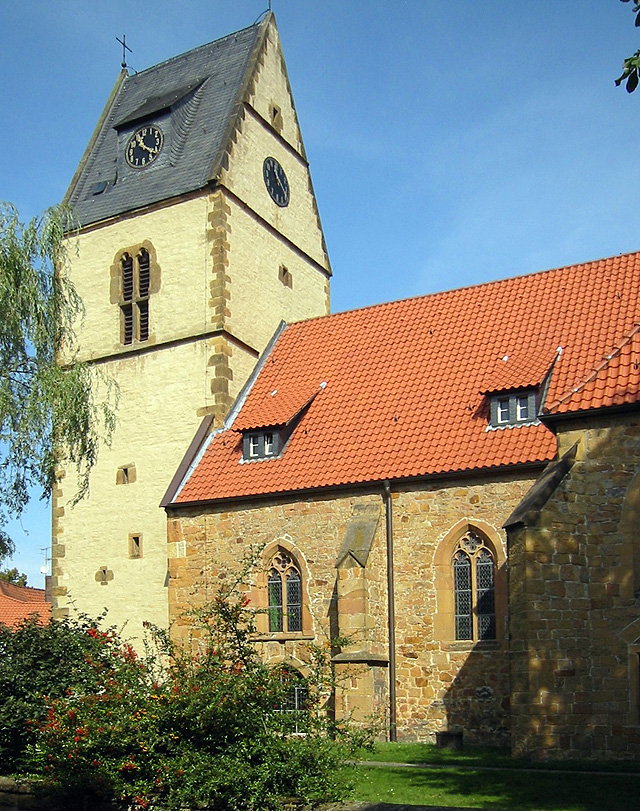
pixel 285 594
pixel 474 589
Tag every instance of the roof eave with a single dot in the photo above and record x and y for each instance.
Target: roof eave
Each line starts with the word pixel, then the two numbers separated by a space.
pixel 122 76
pixel 551 418
pixel 237 108
pixel 370 484
pixel 204 432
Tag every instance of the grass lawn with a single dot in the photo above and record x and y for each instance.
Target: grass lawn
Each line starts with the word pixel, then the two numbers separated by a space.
pixel 455 781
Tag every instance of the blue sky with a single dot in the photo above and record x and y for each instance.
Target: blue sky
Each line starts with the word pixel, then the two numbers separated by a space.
pixel 450 143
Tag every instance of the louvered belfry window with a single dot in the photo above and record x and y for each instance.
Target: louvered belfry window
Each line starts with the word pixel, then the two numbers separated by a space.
pixel 136 279
pixel 474 588
pixel 285 594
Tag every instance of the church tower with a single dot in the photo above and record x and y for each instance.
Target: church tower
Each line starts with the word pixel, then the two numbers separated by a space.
pixel 199 234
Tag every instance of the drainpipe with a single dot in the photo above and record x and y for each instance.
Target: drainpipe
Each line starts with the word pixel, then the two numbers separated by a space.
pixel 391 614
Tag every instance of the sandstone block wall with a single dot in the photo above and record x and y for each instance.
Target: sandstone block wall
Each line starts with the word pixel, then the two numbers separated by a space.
pixel 575 623
pixel 441 683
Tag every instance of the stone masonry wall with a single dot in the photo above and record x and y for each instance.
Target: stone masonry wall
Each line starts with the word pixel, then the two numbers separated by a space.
pixel 441 683
pixel 574 612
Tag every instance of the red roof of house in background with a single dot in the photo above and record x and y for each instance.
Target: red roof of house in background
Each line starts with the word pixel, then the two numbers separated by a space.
pixel 406 382
pixel 19 602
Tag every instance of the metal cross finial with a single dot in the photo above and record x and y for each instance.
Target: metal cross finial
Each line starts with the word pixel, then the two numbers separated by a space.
pixel 125 48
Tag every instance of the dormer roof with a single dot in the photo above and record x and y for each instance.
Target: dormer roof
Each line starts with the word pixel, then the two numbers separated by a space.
pixel 406 382
pixel 519 369
pixel 277 407
pixel 196 96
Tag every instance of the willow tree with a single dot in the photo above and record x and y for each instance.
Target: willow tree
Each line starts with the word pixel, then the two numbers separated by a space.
pixel 50 413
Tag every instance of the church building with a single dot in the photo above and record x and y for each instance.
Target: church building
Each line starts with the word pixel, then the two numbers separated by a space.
pixel 376 456
pixel 199 234
pixel 443 491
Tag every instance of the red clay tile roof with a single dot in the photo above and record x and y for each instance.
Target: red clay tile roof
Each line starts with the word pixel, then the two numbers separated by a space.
pixel 614 382
pixel 404 381
pixel 521 369
pixel 276 407
pixel 19 602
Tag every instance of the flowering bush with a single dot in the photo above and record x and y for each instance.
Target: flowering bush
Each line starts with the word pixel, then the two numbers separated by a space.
pixel 180 730
pixel 39 663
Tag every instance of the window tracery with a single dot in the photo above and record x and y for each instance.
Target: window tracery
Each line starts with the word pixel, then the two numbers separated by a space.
pixel 474 589
pixel 285 594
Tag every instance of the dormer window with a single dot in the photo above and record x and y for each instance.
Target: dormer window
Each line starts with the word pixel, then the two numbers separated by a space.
pixel 522 408
pixel 513 409
pixel 503 410
pixel 261 445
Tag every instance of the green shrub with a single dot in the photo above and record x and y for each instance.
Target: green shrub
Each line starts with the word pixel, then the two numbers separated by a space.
pixel 39 663
pixel 203 730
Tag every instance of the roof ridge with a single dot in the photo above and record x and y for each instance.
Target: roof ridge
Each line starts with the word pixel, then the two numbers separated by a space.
pixel 615 352
pixel 193 50
pixel 20 594
pixel 479 285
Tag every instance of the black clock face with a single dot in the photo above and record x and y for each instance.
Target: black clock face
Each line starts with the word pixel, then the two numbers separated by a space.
pixel 276 182
pixel 144 146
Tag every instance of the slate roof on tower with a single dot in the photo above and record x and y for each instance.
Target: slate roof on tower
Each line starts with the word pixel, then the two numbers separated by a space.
pixel 402 390
pixel 194 98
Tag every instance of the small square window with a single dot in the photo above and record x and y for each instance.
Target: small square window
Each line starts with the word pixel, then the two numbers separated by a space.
pixel 503 410
pixel 135 546
pixel 262 445
pixel 285 276
pixel 126 474
pixel 276 117
pixel 254 446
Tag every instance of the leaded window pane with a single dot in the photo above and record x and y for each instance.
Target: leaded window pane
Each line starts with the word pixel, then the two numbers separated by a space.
pixel 485 596
pixel 294 601
pixel 486 626
pixel 275 602
pixel 463 596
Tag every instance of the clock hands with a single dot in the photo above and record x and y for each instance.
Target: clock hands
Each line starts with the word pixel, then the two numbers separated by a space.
pixel 278 181
pixel 142 145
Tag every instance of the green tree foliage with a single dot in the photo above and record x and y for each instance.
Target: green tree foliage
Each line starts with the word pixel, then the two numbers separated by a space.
pixel 13 576
pixel 48 410
pixel 212 727
pixel 631 65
